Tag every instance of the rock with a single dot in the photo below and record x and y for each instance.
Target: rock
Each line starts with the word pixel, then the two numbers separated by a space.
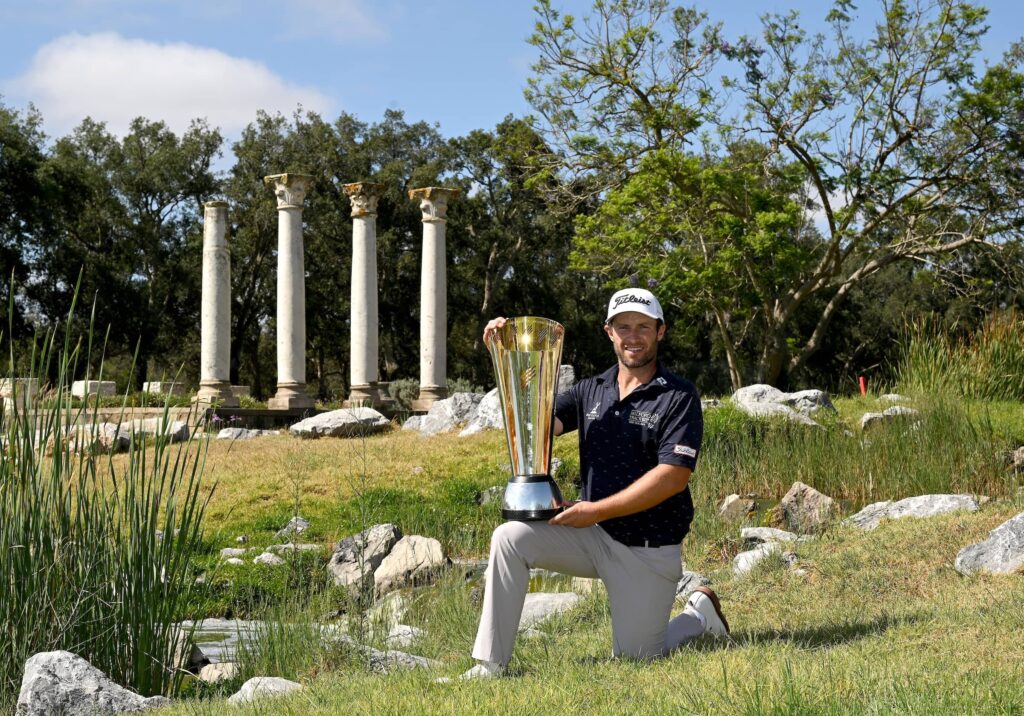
pixel 413 560
pixel 889 414
pixel 176 430
pixel 735 509
pixel 293 547
pixel 386 613
pixel 242 539
pixel 767 401
pixel 244 434
pixel 271 560
pixel 1001 553
pixel 445 415
pixel 403 636
pixel 491 494
pixel 921 506
pixel 413 422
pixel 296 526
pixel 542 605
pixel 355 558
pixel 586 585
pixel 566 378
pixel 59 682
pixel 805 510
pixel 165 388
pixel 83 388
pixel 893 398
pixel 760 535
pixel 688 583
pixel 229 552
pixel 1017 459
pixel 261 687
pixel 488 415
pixel 234 561
pixel 387 661
pixel 212 673
pixel 343 423
pixel 745 561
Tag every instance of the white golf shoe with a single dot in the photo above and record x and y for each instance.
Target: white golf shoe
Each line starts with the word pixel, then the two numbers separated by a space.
pixel 705 602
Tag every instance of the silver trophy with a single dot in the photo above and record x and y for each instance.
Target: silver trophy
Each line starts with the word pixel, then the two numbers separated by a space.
pixel 526 352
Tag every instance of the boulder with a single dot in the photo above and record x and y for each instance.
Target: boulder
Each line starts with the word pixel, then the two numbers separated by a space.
pixel 765 401
pixel 735 508
pixel 688 583
pixel 745 561
pixel 445 415
pixel 293 547
pixel 1017 459
pixel 587 585
pixel 539 606
pixel 343 423
pixel 413 560
pixel 83 388
pixel 261 687
pixel 244 434
pixel 760 535
pixel 889 414
pixel 59 682
pixel 893 398
pixel 296 526
pixel 165 388
pixel 234 561
pixel 491 494
pixel 921 506
pixel 213 673
pixel 488 415
pixel 229 552
pixel 805 510
pixel 355 558
pixel 566 378
pixel 176 430
pixel 403 636
pixel 385 662
pixel 1001 553
pixel 268 559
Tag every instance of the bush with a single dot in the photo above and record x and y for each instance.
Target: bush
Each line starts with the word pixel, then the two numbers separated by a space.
pixel 96 552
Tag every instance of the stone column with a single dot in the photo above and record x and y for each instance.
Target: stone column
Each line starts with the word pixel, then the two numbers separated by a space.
pixel 290 190
pixel 215 313
pixel 433 296
pixel 363 345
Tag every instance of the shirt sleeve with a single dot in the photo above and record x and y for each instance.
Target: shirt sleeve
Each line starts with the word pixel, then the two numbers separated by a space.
pixel 567 408
pixel 682 432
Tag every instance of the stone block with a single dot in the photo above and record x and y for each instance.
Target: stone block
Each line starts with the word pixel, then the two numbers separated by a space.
pixel 83 388
pixel 165 388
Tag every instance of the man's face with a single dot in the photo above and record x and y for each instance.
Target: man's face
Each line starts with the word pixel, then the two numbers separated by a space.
pixel 635 338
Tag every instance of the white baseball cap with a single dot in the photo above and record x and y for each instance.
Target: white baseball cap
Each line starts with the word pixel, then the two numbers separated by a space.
pixel 634 299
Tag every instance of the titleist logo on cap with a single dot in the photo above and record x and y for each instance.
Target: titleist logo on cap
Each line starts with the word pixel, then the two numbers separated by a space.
pixel 630 298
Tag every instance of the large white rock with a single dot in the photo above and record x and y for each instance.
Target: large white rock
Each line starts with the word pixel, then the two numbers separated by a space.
pixel 488 415
pixel 1001 553
pixel 804 509
pixel 346 422
pixel 403 636
pixel 446 414
pixel 765 401
pixel 735 508
pixel 243 433
pixel 413 560
pixel 268 559
pixel 164 388
pixel 566 378
pixel 59 682
pixel 745 561
pixel 213 673
pixel 355 558
pixel 921 506
pixel 261 687
pixel 542 605
pixel 176 430
pixel 759 535
pixel 894 413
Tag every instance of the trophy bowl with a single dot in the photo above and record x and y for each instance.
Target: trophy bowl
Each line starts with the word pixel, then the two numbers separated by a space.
pixel 526 353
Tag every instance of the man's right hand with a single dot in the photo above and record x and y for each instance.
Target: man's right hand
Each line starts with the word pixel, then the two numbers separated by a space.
pixel 492 326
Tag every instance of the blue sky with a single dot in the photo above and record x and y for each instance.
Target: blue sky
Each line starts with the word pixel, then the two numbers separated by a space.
pixel 459 63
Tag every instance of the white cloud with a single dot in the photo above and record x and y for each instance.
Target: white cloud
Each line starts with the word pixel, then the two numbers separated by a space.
pixel 114 79
pixel 342 20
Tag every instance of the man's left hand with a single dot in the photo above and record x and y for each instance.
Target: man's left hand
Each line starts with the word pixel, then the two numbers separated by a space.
pixel 577 514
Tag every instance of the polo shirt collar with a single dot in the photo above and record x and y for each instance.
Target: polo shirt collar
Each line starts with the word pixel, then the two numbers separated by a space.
pixel 659 379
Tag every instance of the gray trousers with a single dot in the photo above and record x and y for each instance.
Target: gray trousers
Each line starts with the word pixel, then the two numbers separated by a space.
pixel 641 584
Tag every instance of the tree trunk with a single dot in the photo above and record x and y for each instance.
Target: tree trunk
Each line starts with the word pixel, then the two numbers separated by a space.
pixel 731 357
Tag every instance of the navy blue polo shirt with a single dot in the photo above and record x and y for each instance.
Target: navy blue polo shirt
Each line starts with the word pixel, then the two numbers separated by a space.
pixel 660 422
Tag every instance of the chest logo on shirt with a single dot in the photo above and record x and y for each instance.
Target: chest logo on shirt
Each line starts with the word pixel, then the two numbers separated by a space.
pixel 643 418
pixel 593 415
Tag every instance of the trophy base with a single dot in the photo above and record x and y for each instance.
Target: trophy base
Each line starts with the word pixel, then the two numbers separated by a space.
pixel 530 515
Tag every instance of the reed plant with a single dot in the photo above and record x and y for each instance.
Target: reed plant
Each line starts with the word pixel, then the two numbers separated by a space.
pixel 96 552
pixel 987 364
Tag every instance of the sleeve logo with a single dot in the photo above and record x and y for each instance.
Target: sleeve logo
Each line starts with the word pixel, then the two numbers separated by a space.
pixel 684 450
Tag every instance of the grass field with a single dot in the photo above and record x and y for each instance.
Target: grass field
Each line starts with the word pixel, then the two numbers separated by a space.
pixel 879 622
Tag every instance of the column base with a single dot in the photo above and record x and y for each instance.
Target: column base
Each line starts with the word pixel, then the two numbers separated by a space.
pixel 363 396
pixel 291 396
pixel 216 393
pixel 429 394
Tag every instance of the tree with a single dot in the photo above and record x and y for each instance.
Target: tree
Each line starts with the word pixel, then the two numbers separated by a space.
pixel 904 151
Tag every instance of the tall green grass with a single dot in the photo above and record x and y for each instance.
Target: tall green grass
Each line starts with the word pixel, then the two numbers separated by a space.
pixel 95 558
pixel 986 365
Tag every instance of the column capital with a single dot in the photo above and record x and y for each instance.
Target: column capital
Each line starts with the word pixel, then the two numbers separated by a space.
pixel 433 201
pixel 363 195
pixel 219 204
pixel 290 189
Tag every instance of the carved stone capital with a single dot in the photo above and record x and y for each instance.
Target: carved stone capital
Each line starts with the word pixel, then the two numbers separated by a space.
pixel 363 196
pixel 290 189
pixel 433 201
